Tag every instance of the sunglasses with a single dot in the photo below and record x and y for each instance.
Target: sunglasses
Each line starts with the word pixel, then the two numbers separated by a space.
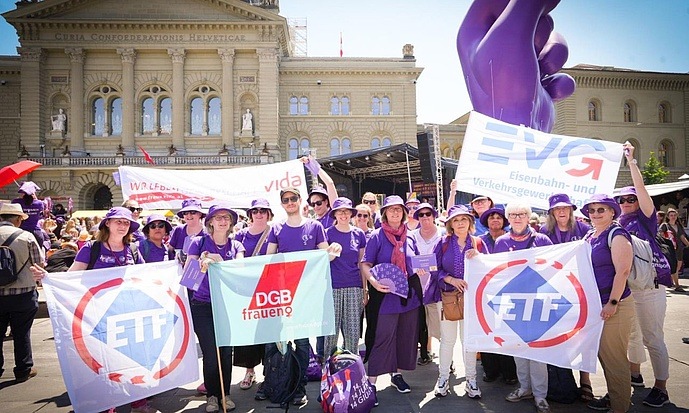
pixel 597 210
pixel 369 202
pixel 628 200
pixel 362 215
pixel 190 213
pixel 317 203
pixel 259 211
pixel 157 225
pixel 135 209
pixel 425 214
pixel 289 199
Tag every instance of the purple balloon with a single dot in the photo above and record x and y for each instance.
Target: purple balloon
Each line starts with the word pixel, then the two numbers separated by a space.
pixel 510 57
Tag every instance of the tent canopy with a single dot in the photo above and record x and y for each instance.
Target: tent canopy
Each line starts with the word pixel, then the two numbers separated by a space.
pixel 90 213
pixel 659 189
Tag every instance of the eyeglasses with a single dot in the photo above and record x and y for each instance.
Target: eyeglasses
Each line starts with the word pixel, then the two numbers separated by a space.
pixel 190 213
pixel 259 211
pixel 369 201
pixel 135 209
pixel 425 214
pixel 289 199
pixel 222 218
pixel 362 215
pixel 597 210
pixel 627 200
pixel 157 225
pixel 317 203
pixel 517 215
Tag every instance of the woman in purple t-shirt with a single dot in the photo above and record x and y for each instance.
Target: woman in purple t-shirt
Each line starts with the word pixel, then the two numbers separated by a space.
pixel 347 281
pixel 182 235
pixel 154 248
pixel 34 208
pixel 611 256
pixel 533 375
pixel 214 246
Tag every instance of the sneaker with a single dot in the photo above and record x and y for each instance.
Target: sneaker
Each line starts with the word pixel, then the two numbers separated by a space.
pixel 146 408
pixel 202 389
pixel 300 398
pixel 638 381
pixel 375 395
pixel 399 383
pixel 656 398
pixel 472 390
pixel 511 382
pixel 212 405
pixel 542 406
pixel 518 395
pixel 602 404
pixel 229 404
pixel 442 387
pixel 422 361
pixel 30 374
pixel 489 379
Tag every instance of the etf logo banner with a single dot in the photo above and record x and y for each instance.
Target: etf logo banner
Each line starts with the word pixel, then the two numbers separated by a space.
pixel 541 304
pixel 272 298
pixel 167 188
pixel 507 162
pixel 122 334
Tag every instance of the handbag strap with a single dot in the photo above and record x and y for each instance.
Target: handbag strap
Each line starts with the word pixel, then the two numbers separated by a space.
pixel 261 241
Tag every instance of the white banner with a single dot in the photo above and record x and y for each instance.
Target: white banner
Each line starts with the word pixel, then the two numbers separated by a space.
pixel 508 162
pixel 122 334
pixel 541 304
pixel 167 188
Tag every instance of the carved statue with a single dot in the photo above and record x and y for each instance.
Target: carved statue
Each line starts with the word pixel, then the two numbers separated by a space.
pixel 171 150
pixel 247 121
pixel 59 121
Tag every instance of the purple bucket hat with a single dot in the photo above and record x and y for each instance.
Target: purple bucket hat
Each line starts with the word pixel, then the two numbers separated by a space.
pixel 157 217
pixel 425 205
pixel 320 191
pixel 601 199
pixel 393 200
pixel 456 210
pixel 627 190
pixel 213 210
pixel 560 200
pixel 259 203
pixel 190 205
pixel 120 213
pixel 342 203
pixel 29 188
pixel 491 211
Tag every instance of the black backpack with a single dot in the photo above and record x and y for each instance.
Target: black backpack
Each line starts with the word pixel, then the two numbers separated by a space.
pixel 282 375
pixel 8 262
pixel 95 253
pixel 562 387
pixel 668 250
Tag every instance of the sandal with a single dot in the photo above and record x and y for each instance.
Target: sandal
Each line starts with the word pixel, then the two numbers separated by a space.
pixel 249 380
pixel 586 393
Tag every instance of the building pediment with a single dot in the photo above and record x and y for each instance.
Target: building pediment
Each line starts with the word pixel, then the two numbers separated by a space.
pixel 70 11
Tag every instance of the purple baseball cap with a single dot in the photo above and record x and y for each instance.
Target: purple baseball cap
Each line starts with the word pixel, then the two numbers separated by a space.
pixel 424 205
pixel 342 203
pixel 120 213
pixel 560 200
pixel 601 199
pixel 190 205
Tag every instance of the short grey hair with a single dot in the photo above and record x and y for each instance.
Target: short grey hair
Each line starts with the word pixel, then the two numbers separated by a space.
pixel 518 206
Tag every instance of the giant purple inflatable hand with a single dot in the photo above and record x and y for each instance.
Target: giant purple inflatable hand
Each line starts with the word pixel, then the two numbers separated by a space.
pixel 510 56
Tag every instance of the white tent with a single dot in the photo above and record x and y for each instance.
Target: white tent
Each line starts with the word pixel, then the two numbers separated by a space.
pixel 659 189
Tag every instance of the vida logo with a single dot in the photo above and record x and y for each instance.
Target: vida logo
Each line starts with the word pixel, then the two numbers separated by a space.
pixel 275 291
pixel 286 182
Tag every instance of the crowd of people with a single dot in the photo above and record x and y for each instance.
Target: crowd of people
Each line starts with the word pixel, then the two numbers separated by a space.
pixel 358 237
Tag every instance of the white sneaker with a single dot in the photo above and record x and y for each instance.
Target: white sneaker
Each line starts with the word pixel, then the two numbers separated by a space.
pixel 212 405
pixel 542 406
pixel 518 395
pixel 442 387
pixel 229 405
pixel 472 390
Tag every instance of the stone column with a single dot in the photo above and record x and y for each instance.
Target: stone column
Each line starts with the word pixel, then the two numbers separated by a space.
pixel 227 98
pixel 268 95
pixel 33 123
pixel 128 98
pixel 75 121
pixel 177 56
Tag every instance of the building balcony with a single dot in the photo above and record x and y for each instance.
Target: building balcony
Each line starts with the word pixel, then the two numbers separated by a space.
pixel 171 162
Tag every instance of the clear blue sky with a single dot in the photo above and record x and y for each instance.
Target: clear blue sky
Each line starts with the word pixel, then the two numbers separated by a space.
pixel 648 35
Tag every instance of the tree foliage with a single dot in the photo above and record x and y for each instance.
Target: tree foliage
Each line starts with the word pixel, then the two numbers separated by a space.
pixel 654 172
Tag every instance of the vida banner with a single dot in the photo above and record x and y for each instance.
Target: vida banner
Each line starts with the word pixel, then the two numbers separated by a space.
pixel 167 188
pixel 122 334
pixel 508 162
pixel 272 298
pixel 541 304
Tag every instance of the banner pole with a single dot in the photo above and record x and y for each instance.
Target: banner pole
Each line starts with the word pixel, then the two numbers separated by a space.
pixel 222 384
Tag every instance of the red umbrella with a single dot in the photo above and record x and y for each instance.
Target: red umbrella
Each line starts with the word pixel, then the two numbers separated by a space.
pixel 11 173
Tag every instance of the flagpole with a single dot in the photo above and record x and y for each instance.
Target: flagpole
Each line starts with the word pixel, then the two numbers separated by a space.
pixel 222 384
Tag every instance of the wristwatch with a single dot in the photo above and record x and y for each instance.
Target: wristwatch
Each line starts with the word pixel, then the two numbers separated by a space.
pixel 634 161
pixel 613 302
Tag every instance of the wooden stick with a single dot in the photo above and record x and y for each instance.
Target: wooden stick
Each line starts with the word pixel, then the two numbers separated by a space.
pixel 222 384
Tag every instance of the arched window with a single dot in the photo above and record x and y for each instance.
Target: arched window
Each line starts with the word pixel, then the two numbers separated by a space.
pixel 148 116
pixel 664 113
pixel 98 117
pixel 385 110
pixel 340 146
pixel 339 106
pixel 116 116
pixel 293 105
pixel 297 147
pixel 630 111
pixel 214 117
pixel 666 153
pixel 375 105
pixel 299 106
pixel 303 105
pixel 166 116
pixel 205 111
pixel 380 106
pixel 594 111
pixel 345 105
pixel 196 116
pixel 156 111
pixel 380 142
